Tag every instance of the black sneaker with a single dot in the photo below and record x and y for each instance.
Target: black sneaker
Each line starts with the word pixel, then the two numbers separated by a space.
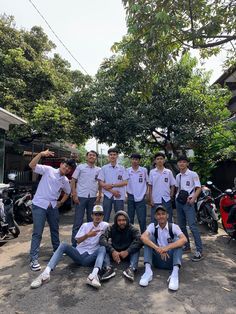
pixel 109 273
pixel 35 266
pixel 197 257
pixel 129 273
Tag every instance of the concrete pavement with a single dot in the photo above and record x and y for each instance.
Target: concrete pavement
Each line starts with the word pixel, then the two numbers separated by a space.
pixel 208 286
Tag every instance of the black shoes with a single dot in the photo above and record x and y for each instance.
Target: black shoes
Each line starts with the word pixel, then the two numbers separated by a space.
pixel 108 273
pixel 129 273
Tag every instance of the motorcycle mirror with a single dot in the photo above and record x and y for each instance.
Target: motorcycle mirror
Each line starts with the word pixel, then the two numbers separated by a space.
pixel 12 176
pixel 209 182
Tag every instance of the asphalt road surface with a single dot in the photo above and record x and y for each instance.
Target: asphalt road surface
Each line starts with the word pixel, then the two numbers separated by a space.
pixel 208 286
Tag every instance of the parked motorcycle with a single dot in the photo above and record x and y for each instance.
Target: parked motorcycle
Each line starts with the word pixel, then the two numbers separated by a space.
pixel 23 208
pixel 228 212
pixel 206 208
pixel 21 200
pixel 8 224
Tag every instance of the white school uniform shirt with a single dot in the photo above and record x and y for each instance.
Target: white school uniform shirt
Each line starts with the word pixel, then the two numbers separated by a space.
pixel 161 181
pixel 137 184
pixel 163 234
pixel 113 175
pixel 87 180
pixel 189 181
pixel 90 245
pixel 50 186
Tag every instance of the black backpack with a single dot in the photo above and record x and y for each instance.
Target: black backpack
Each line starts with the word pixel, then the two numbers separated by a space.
pixel 170 231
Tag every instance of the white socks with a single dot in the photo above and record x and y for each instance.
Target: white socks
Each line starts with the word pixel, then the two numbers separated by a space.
pixel 47 271
pixel 175 271
pixel 95 271
pixel 148 269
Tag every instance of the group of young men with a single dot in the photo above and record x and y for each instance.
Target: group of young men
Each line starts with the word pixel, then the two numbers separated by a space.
pixel 95 242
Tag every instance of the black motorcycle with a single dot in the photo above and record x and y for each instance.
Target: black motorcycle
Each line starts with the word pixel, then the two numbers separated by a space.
pixel 206 208
pixel 8 225
pixel 22 201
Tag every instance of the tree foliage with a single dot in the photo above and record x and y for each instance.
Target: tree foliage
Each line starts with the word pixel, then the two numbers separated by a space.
pixel 40 88
pixel 179 114
pixel 159 30
pixel 219 145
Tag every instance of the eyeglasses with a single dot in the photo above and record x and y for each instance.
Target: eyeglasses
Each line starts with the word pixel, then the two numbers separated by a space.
pixel 98 214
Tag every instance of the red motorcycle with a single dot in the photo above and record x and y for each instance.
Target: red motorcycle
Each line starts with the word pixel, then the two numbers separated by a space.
pixel 228 212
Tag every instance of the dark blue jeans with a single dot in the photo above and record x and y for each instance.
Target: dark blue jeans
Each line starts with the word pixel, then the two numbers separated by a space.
pixel 186 215
pixel 132 258
pixel 154 258
pixel 140 208
pixel 107 206
pixel 40 215
pixel 85 203
pixel 95 259
pixel 167 205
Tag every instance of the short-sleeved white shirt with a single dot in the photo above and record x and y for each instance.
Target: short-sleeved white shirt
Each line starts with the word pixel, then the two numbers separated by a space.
pixel 137 184
pixel 113 175
pixel 50 186
pixel 90 245
pixel 161 182
pixel 163 234
pixel 189 181
pixel 87 180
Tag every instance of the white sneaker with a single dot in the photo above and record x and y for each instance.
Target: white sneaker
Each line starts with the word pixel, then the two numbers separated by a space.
pixel 145 279
pixel 41 279
pixel 93 281
pixel 173 283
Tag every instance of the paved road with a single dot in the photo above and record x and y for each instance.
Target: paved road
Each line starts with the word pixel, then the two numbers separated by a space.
pixel 205 287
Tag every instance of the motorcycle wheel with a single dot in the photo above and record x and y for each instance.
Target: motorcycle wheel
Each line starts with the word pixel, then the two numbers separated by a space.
pixel 26 214
pixel 15 231
pixel 198 217
pixel 214 226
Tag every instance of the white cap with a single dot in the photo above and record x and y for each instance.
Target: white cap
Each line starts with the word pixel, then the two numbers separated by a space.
pixel 97 209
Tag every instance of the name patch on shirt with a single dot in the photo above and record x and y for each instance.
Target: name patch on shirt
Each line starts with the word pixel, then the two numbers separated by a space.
pixel 166 180
pixel 120 177
pixel 187 183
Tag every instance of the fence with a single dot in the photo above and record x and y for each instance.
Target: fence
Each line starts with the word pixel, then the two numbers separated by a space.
pixel 22 177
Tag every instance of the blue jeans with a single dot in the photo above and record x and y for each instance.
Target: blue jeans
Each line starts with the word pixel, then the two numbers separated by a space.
pixel 85 203
pixel 40 215
pixel 107 206
pixel 154 258
pixel 95 259
pixel 167 205
pixel 140 208
pixel 186 214
pixel 132 258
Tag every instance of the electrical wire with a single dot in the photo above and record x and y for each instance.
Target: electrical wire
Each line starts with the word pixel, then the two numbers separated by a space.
pixel 57 36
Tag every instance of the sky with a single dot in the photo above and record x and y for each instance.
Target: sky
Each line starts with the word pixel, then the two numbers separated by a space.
pixel 87 27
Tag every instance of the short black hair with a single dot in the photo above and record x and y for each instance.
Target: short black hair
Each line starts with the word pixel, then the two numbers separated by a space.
pixel 70 162
pixel 183 157
pixel 159 154
pixel 92 151
pixel 113 150
pixel 135 156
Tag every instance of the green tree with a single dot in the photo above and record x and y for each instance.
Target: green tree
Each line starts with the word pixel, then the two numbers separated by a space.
pixel 40 88
pixel 178 115
pixel 159 31
pixel 220 144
